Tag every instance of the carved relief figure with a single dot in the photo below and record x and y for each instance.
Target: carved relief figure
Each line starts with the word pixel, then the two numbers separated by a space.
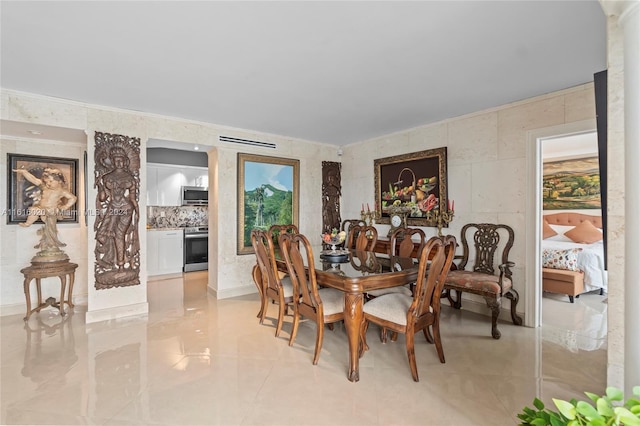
pixel 118 182
pixel 54 197
pixel 331 192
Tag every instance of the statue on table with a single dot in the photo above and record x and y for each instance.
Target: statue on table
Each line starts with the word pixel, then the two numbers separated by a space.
pixel 54 198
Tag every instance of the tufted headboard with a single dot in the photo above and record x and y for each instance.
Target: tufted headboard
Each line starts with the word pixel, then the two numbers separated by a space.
pixel 572 219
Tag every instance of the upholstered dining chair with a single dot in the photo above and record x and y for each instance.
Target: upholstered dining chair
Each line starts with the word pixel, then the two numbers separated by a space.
pixel 362 238
pixel 480 243
pixel 275 288
pixel 274 231
pixel 402 243
pixel 320 305
pixel 409 314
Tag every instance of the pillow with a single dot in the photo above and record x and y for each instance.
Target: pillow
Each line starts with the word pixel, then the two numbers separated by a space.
pixel 585 233
pixel 561 229
pixel 561 259
pixel 547 231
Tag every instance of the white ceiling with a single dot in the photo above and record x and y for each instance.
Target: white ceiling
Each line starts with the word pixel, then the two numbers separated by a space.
pixel 334 72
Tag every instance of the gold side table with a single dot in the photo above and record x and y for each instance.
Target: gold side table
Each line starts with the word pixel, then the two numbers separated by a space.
pixel 39 270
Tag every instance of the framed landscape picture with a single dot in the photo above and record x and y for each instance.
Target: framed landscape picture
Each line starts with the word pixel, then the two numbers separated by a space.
pixel 23 193
pixel 416 181
pixel 268 194
pixel 571 184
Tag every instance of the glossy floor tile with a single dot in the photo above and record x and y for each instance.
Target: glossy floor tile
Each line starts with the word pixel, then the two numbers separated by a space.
pixel 195 360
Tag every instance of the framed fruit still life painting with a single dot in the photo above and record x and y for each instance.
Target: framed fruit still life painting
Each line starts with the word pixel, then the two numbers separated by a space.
pixel 416 182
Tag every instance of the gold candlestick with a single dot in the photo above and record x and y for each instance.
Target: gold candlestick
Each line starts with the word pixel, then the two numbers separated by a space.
pixel 370 217
pixel 441 218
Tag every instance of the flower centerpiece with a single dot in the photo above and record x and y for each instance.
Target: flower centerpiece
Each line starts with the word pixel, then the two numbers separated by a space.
pixel 334 238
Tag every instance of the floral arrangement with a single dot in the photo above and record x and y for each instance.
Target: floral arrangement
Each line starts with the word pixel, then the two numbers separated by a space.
pixel 334 237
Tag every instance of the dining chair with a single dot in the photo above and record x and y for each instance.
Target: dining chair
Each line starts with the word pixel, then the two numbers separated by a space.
pixel 404 314
pixel 320 305
pixel 402 244
pixel 276 288
pixel 485 269
pixel 362 238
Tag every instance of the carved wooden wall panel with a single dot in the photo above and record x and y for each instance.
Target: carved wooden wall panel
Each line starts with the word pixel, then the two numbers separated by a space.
pixel 117 179
pixel 331 191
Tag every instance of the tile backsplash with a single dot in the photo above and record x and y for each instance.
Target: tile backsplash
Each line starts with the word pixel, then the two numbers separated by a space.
pixel 177 216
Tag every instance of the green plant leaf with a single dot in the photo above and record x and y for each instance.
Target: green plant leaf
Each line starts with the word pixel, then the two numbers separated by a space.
pixel 556 421
pixel 566 408
pixel 592 396
pixel 614 394
pixel 604 408
pixel 538 404
pixel 627 417
pixel 587 410
pixel 539 422
pixel 635 409
pixel 636 391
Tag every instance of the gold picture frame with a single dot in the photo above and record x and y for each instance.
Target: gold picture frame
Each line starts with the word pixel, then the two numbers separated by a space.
pixel 417 180
pixel 260 178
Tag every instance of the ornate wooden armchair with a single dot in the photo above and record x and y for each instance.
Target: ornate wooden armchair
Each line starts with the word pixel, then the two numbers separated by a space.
pixel 485 278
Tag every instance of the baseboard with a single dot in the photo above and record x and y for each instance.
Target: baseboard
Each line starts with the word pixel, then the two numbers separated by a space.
pixel 13 309
pixel 117 312
pixel 228 293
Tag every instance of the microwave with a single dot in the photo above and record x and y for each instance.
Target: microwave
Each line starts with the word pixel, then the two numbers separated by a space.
pixel 194 196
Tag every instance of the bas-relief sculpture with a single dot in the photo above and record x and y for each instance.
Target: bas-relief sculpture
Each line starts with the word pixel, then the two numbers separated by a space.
pixel 54 198
pixel 117 179
pixel 331 192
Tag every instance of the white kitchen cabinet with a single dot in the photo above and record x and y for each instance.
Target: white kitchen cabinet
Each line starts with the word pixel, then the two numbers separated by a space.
pixel 196 176
pixel 164 182
pixel 164 252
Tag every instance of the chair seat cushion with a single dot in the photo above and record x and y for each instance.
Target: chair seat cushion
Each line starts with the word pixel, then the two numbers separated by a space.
pixel 391 307
pixel 332 300
pixel 477 281
pixel 400 289
pixel 287 286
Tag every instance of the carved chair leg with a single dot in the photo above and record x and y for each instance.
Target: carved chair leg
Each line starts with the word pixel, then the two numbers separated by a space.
pixel 383 335
pixel 294 326
pixel 454 302
pixel 394 336
pixel 436 336
pixel 282 309
pixel 330 325
pixel 494 305
pixel 411 354
pixel 514 297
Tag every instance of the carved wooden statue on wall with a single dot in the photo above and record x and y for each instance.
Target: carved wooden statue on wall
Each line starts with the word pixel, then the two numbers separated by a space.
pixel 117 179
pixel 331 192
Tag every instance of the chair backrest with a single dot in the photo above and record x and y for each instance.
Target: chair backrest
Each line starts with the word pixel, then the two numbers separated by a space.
pixel 402 243
pixel 366 262
pixel 265 255
pixel 347 224
pixel 297 252
pixel 363 238
pixel 486 242
pixel 433 266
pixel 276 230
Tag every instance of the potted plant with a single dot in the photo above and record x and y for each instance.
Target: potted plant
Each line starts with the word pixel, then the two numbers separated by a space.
pixel 602 411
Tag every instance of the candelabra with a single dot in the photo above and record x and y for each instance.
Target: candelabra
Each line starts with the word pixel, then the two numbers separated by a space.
pixel 440 218
pixel 369 217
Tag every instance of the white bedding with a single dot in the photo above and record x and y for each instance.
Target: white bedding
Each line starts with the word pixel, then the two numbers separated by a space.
pixel 590 259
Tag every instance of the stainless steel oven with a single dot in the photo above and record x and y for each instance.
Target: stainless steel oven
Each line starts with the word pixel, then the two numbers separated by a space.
pixel 196 249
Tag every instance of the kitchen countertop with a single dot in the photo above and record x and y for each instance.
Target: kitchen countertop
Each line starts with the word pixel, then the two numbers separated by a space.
pixel 166 229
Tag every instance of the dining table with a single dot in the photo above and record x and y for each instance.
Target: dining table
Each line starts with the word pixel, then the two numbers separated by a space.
pixel 355 273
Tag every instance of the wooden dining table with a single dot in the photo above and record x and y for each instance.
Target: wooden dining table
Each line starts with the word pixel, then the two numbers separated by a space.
pixel 360 272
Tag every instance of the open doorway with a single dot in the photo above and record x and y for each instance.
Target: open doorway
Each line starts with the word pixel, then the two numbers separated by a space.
pixel 574 281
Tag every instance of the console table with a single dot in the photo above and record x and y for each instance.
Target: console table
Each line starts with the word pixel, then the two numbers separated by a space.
pixel 39 270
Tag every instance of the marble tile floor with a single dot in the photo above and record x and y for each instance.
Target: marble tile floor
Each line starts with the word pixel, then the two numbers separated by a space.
pixel 195 360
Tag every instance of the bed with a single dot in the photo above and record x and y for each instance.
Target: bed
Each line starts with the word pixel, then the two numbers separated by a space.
pixel 573 258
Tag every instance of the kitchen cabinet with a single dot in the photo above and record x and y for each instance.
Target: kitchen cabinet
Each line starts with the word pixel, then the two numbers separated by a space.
pixel 165 251
pixel 164 182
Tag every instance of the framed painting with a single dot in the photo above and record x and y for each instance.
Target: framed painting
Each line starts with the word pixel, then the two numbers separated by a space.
pixel 571 184
pixel 25 188
pixel 416 181
pixel 268 194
